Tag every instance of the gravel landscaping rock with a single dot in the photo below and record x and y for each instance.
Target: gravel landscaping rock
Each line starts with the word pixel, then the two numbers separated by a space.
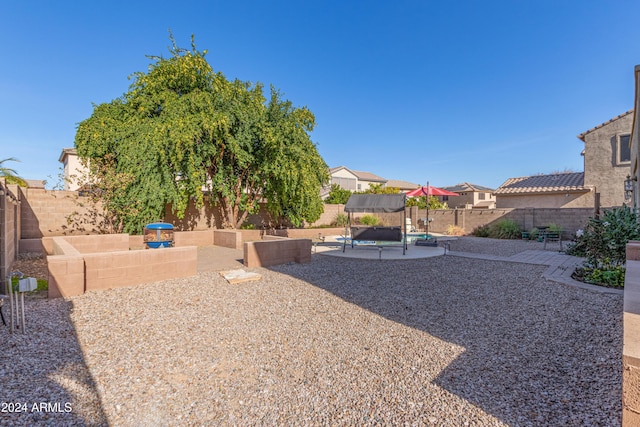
pixel 445 341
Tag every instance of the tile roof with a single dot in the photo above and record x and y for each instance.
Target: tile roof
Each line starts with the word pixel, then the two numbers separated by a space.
pixel 468 187
pixel 365 176
pixel 403 185
pixel 583 134
pixel 537 184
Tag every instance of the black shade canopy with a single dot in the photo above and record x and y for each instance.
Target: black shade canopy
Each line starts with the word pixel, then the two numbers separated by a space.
pixel 375 203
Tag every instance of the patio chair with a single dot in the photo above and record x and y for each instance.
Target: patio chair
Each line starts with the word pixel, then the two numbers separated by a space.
pixel 551 236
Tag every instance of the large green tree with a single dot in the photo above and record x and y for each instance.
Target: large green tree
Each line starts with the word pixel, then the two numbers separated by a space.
pixel 183 131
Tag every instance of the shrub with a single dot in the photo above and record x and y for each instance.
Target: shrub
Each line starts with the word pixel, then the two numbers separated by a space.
pixel 370 220
pixel 534 233
pixel 554 228
pixel 610 278
pixel 338 195
pixel 603 241
pixel 481 231
pixel 454 230
pixel 340 220
pixel 505 229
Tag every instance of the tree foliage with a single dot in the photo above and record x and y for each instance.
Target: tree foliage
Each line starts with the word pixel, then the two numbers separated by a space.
pixel 380 189
pixel 183 132
pixel 421 202
pixel 10 175
pixel 338 195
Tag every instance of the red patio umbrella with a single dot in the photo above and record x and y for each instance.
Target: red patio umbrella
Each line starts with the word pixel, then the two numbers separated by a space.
pixel 429 191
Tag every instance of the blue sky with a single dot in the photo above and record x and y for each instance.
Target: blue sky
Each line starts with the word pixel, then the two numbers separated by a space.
pixel 414 90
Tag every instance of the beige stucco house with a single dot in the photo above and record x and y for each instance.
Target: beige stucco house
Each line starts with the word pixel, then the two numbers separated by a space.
pixel 73 168
pixel 353 180
pixel 607 158
pixel 471 196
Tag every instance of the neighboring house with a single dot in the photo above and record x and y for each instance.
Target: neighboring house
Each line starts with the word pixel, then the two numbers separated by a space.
pixel 353 180
pixel 73 169
pixel 634 164
pixel 607 157
pixel 559 190
pixel 471 196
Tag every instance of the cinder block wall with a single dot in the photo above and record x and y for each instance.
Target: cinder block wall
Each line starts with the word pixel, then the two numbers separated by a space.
pixel 10 228
pixel 631 339
pixel 274 250
pixel 72 272
pixel 227 238
pixel 44 212
pixel 193 238
pixel 569 219
pixel 99 243
pixel 129 268
pixel 307 233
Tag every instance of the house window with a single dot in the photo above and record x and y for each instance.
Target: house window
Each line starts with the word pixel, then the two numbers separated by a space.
pixel 481 196
pixel 445 198
pixel 346 183
pixel 359 187
pixel 624 150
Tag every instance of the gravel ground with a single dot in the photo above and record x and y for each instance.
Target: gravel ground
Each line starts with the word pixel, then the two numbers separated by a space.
pixel 445 341
pixel 494 246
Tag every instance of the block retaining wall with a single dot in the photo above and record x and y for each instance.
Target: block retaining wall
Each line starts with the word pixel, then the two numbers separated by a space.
pixel 78 264
pixel 275 250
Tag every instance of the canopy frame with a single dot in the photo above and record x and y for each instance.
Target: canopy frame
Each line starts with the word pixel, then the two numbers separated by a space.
pixel 377 203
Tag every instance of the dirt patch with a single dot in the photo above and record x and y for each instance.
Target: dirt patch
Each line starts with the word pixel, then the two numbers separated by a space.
pixel 32 265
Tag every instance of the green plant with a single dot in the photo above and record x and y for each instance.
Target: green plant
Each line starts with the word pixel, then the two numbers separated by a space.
pixel 337 195
pixel 370 220
pixel 534 233
pixel 505 229
pixel 340 220
pixel 554 228
pixel 481 231
pixel 603 241
pixel 603 245
pixel 610 278
pixel 43 285
pixel 454 230
pixel 248 226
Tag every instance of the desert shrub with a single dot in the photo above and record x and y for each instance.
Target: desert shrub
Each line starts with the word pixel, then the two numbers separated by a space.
pixel 554 228
pixel 481 231
pixel 369 220
pixel 603 241
pixel 505 229
pixel 340 220
pixel 454 230
pixel 534 233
